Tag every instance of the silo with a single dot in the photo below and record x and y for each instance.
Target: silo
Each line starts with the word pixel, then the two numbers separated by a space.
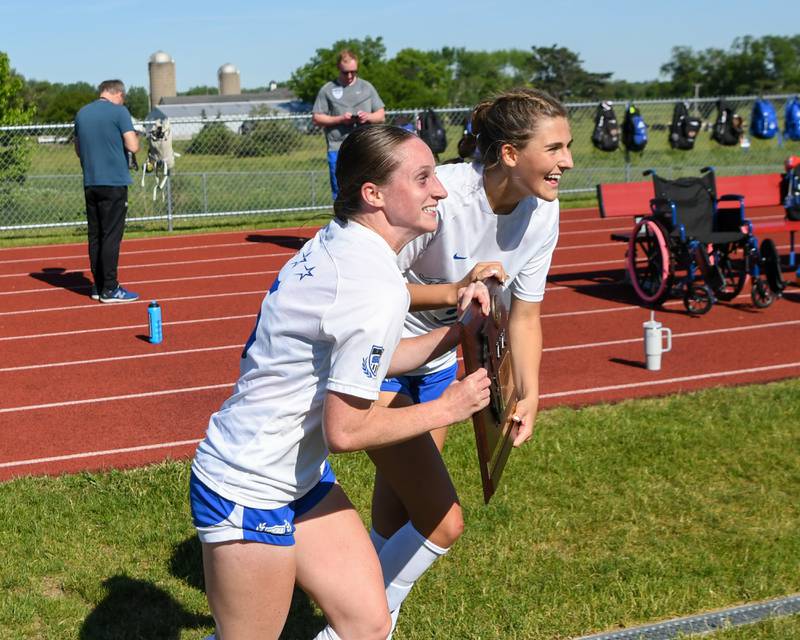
pixel 162 77
pixel 229 83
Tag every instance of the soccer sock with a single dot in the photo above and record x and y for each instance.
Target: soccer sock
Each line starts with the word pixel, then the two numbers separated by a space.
pixel 377 540
pixel 327 634
pixel 404 558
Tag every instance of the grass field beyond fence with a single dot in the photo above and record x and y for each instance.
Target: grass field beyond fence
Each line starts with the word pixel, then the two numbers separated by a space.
pixel 287 170
pixel 613 515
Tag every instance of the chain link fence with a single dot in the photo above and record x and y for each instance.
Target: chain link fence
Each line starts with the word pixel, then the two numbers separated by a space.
pixel 249 165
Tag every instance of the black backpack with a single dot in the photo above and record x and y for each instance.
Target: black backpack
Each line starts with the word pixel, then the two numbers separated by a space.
pixel 606 130
pixel 634 130
pixel 432 131
pixel 684 128
pixel 724 130
pixel 790 193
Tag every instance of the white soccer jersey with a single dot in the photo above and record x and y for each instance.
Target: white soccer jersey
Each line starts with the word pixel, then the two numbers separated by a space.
pixel 470 232
pixel 330 322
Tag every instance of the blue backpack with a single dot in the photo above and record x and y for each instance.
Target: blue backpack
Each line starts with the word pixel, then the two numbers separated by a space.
pixel 792 123
pixel 634 130
pixel 764 120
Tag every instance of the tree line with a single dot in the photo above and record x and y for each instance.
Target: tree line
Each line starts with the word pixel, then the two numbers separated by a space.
pixel 454 76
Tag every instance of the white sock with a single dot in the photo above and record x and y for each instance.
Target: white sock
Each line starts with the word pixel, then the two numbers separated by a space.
pixel 327 634
pixel 404 558
pixel 377 540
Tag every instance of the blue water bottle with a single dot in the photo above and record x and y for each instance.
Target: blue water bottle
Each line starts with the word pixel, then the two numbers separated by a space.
pixel 154 318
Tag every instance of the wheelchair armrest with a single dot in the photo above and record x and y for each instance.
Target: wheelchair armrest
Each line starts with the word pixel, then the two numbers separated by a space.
pixel 663 210
pixel 728 220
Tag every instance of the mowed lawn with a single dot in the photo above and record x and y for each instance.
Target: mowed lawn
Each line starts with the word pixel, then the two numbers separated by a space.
pixel 613 516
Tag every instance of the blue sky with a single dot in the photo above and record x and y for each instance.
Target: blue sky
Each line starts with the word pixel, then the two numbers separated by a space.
pixel 92 40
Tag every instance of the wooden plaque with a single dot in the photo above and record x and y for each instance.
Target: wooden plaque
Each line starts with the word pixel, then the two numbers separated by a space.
pixel 494 428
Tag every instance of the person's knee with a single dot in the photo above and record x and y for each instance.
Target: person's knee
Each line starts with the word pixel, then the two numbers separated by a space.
pixel 377 626
pixel 447 530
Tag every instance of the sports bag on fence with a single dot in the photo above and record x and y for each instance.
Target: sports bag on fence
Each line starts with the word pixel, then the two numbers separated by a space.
pixel 432 131
pixel 724 130
pixel 634 130
pixel 684 128
pixel 790 193
pixel 792 119
pixel 606 129
pixel 763 120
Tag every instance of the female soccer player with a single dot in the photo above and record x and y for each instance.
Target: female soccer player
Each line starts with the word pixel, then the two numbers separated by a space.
pixel 264 500
pixel 499 220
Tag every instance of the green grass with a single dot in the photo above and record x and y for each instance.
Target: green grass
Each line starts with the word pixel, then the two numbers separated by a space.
pixel 204 183
pixel 614 515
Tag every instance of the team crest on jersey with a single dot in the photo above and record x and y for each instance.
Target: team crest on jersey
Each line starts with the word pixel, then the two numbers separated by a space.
pixel 371 363
pixel 337 92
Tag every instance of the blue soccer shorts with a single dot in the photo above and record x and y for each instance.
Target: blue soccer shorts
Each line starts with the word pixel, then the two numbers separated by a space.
pixel 218 519
pixel 422 388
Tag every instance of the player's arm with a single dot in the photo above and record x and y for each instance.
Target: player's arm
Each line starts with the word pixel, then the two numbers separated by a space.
pixel 130 140
pixel 325 120
pixel 437 296
pixel 411 353
pixel 351 423
pixel 376 117
pixel 525 340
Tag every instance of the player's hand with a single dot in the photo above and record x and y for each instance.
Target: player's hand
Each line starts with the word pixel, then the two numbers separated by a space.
pixel 347 117
pixel 483 271
pixel 358 118
pixel 474 296
pixel 467 396
pixel 524 418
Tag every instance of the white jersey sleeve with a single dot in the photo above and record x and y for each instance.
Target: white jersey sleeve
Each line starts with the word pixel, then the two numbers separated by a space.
pixel 365 324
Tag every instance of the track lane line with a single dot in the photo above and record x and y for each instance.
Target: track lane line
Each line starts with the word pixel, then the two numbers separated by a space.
pixel 127 396
pixel 140 325
pixel 650 383
pixel 92 454
pixel 585 345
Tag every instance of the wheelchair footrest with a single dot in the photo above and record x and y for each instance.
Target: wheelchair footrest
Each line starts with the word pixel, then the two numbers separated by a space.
pixel 621 237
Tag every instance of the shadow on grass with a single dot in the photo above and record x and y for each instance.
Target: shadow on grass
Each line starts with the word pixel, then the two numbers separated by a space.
pixel 137 610
pixel 186 564
pixel 73 281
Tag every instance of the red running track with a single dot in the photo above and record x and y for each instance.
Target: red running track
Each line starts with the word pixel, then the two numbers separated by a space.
pixel 84 390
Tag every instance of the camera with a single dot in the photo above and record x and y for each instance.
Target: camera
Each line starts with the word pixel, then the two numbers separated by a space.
pixel 133 165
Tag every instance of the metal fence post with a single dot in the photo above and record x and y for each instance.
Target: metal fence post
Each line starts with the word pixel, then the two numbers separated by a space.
pixel 205 192
pixel 169 203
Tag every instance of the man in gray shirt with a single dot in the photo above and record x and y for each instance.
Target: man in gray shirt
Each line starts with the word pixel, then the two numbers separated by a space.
pixel 342 105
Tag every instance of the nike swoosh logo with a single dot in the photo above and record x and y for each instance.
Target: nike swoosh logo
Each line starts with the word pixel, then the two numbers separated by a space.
pixel 458 257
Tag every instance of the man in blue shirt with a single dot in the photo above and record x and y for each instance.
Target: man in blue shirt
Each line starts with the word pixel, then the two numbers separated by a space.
pixel 103 134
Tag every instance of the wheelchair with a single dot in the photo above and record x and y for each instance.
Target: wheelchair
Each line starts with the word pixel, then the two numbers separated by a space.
pixel 697 245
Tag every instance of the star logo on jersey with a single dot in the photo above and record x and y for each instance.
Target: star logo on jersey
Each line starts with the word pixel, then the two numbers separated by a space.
pixel 307 273
pixel 371 363
pixel 302 259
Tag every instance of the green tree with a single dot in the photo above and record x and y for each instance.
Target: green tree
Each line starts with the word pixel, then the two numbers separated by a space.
pixel 477 75
pixel 413 78
pixel 559 71
pixel 202 90
pixel 751 65
pixel 308 79
pixel 14 145
pixel 215 138
pixel 267 137
pixel 138 102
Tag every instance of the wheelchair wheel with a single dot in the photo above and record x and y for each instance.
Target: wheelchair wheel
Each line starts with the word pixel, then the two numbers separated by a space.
pixel 761 294
pixel 735 272
pixel 698 299
pixel 649 261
